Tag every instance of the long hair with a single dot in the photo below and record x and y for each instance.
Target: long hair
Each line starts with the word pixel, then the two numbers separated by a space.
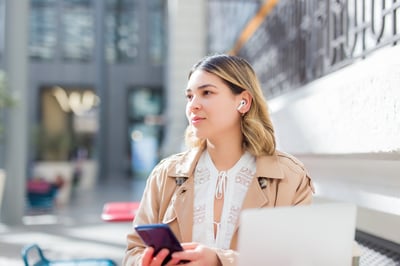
pixel 237 73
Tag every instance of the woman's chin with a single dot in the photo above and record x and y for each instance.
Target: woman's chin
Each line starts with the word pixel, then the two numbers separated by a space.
pixel 200 134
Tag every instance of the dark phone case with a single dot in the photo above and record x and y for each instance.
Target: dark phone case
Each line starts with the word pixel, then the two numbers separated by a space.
pixel 159 236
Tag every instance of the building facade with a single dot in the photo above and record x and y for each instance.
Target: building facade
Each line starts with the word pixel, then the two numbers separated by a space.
pixel 95 77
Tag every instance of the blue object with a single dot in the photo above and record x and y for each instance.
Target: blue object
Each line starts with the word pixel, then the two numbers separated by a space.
pixel 33 256
pixel 41 194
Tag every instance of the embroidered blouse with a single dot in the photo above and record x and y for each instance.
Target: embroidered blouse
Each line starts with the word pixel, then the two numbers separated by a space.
pixel 211 184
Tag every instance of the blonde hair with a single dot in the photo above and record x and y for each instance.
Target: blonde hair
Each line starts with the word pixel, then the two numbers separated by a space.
pixel 237 73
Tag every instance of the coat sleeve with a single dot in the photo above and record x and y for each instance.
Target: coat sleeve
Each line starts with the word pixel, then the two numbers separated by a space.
pixel 304 191
pixel 296 187
pixel 147 213
pixel 228 257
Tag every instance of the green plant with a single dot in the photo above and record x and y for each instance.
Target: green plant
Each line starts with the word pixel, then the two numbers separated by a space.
pixel 6 100
pixel 53 146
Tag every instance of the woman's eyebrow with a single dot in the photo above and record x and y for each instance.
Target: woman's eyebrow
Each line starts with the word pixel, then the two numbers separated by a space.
pixel 202 87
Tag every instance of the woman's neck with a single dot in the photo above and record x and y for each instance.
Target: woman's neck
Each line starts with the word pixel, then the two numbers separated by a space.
pixel 224 155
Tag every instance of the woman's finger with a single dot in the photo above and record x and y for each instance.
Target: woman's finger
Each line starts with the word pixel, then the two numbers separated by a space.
pixel 189 245
pixel 159 258
pixel 147 256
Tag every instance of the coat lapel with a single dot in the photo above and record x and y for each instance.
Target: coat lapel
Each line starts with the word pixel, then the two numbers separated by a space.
pixel 184 195
pixel 183 207
pixel 255 197
pixel 268 169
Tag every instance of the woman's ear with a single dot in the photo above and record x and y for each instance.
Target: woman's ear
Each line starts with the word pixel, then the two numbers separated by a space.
pixel 245 102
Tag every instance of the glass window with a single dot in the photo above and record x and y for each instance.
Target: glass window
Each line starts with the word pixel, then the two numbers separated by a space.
pixel 43 29
pixel 156 31
pixel 122 30
pixel 145 125
pixel 143 102
pixel 77 26
pixel 68 123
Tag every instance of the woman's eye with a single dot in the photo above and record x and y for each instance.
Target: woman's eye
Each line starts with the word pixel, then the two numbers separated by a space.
pixel 207 92
pixel 189 97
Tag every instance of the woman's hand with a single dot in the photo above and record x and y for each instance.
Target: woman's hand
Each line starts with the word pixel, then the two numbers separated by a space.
pixel 196 254
pixel 149 259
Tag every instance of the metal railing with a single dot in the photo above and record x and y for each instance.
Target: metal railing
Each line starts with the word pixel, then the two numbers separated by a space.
pixel 226 20
pixel 302 40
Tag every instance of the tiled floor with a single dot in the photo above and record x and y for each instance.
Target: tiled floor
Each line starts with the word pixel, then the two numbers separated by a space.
pixel 75 230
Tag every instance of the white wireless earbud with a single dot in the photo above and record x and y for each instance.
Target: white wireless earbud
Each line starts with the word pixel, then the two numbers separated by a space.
pixel 242 103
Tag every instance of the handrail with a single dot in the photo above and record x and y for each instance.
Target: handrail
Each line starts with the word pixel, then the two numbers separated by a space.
pixel 253 25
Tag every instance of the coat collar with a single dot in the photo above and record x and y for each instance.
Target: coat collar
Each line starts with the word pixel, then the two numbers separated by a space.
pixel 186 163
pixel 266 166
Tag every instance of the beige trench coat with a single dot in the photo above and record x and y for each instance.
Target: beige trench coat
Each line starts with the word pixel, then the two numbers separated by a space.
pixel 280 180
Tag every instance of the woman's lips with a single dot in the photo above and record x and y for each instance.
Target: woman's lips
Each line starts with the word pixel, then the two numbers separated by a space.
pixel 196 120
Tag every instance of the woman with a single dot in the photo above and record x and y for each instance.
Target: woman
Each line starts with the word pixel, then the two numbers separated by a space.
pixel 231 165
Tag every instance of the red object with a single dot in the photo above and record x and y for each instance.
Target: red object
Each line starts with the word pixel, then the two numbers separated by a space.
pixel 39 186
pixel 119 211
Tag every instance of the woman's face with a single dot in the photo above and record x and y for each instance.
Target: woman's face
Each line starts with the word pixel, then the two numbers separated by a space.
pixel 211 106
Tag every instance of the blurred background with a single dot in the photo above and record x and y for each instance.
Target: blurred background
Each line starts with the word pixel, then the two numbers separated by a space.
pixel 92 96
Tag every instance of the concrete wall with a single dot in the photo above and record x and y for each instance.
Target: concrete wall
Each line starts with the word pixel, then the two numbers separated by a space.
pixel 186 45
pixel 354 110
pixel 2 182
pixel 346 128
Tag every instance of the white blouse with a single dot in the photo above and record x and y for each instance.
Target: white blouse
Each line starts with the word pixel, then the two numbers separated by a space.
pixel 209 184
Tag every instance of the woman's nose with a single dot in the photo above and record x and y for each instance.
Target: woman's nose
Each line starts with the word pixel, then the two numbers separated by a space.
pixel 194 104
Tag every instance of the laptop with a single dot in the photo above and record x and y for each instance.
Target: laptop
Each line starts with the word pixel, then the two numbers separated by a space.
pixel 317 234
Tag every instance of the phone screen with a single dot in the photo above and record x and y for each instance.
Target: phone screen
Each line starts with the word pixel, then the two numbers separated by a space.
pixel 159 236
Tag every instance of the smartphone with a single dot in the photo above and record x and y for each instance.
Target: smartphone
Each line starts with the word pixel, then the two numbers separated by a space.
pixel 159 236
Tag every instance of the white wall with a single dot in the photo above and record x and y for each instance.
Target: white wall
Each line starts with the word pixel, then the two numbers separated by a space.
pixel 346 128
pixel 354 110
